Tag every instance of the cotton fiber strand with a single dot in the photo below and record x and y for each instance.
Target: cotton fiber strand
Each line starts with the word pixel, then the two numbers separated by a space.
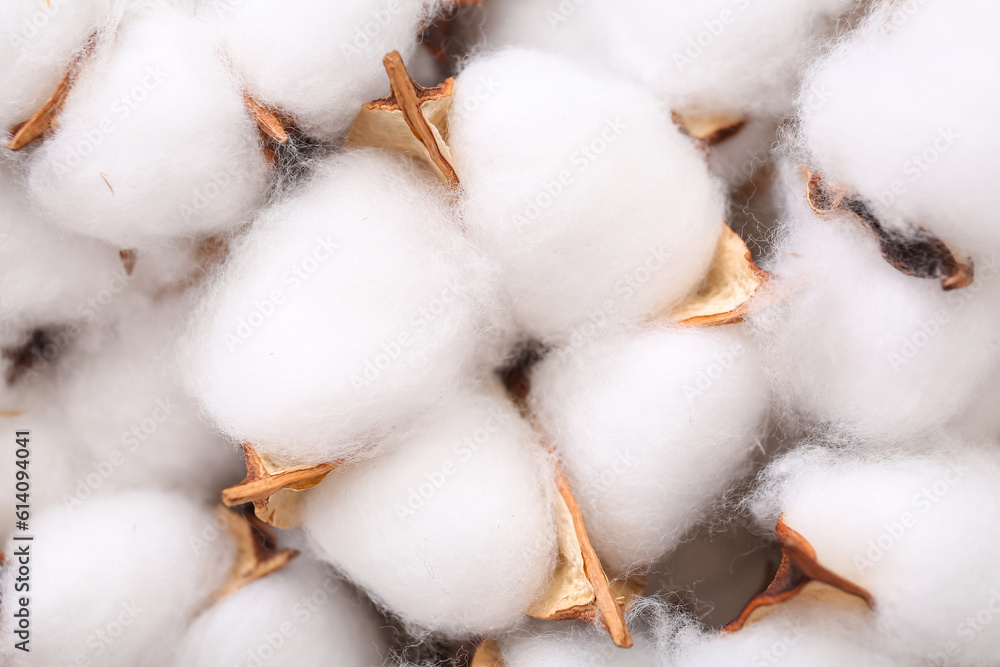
pixel 651 427
pixel 154 141
pixel 735 56
pixel 543 644
pixel 596 208
pixel 324 60
pixel 131 586
pixel 917 531
pixel 452 528
pixel 351 307
pixel 904 118
pixel 296 616
pixel 854 343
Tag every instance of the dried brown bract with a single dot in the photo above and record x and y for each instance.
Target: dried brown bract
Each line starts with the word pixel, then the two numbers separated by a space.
pixel 709 128
pixel 919 254
pixel 257 555
pixel 801 574
pixel 412 119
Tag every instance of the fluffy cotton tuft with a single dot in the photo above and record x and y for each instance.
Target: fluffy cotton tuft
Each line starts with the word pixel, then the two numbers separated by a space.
pixel 115 582
pixel 900 115
pixel 452 528
pixel 917 531
pixel 154 140
pixel 651 426
pixel 352 306
pixel 542 644
pixel 801 633
pixel 325 61
pixel 38 41
pixel 595 206
pixel 853 342
pixel 299 615
pixel 709 56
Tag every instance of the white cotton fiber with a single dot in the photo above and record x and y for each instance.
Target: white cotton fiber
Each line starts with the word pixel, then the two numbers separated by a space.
pixel 299 615
pixel 802 633
pixel 38 41
pixel 595 206
pixel 48 273
pixel 918 532
pixel 318 61
pixel 571 644
pixel 853 342
pixel 352 306
pixel 709 56
pixel 154 140
pixel 452 528
pixel 651 427
pixel 127 415
pixel 116 583
pixel 901 115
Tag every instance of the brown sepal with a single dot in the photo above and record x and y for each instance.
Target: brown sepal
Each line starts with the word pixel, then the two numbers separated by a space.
pixel 709 128
pixel 257 555
pixel 273 489
pixel 919 254
pixel 487 654
pixel 42 121
pixel 726 294
pixel 412 119
pixel 800 574
pixel 128 257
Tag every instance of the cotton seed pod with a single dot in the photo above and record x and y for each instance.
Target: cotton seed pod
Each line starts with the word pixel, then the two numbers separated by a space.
pixel 651 426
pixel 451 528
pixel 857 344
pixel 605 217
pixel 881 521
pixel 354 294
pixel 124 599
pixel 333 51
pixel 153 141
pixel 933 170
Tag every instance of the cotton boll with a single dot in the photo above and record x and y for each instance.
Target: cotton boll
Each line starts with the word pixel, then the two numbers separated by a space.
pixel 452 527
pixel 350 308
pixel 900 116
pixel 802 633
pixel 651 426
pixel 853 342
pixel 154 141
pixel 325 61
pixel 38 41
pixel 917 531
pixel 572 645
pixel 716 56
pixel 594 205
pixel 116 581
pixel 299 615
pixel 128 417
pixel 48 273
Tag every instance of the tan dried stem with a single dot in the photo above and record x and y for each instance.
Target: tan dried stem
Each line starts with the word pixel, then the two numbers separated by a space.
pixel 800 574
